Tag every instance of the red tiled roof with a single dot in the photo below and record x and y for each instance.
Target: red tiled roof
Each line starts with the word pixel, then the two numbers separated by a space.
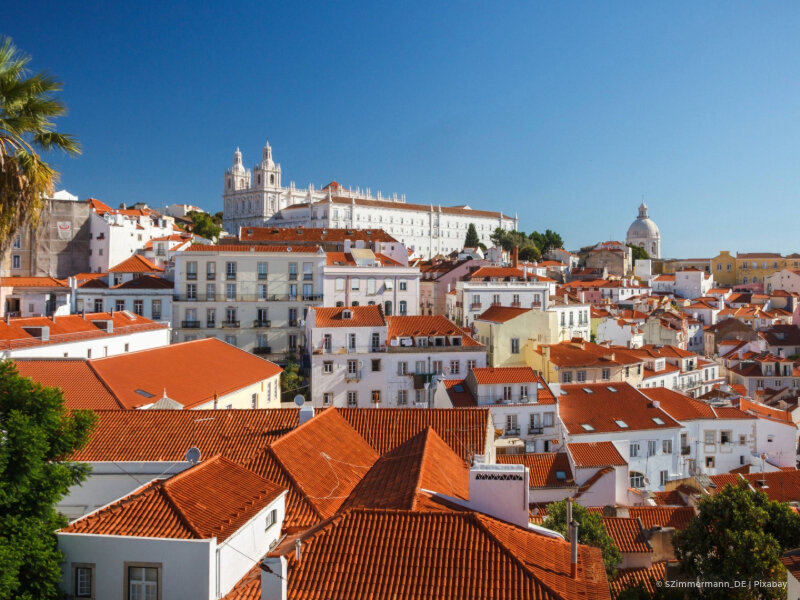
pixel 501 314
pixel 543 468
pixel 580 354
pixel 136 264
pixel 601 408
pixel 81 386
pixel 361 316
pixel 466 431
pixel 390 205
pixel 665 516
pixel 671 498
pixel 791 560
pixel 165 435
pixel 459 393
pixel 489 375
pixel 433 325
pixel 595 454
pixel 646 576
pixel 145 282
pixel 431 555
pixel 212 499
pixel 424 462
pixel 627 534
pixel 31 282
pixel 497 272
pixel 222 248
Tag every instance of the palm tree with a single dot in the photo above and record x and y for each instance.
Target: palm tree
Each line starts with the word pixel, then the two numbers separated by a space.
pixel 28 108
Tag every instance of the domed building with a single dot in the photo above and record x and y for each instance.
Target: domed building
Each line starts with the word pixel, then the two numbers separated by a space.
pixel 644 233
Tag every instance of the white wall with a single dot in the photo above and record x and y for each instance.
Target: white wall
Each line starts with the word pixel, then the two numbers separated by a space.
pixel 100 346
pixel 187 566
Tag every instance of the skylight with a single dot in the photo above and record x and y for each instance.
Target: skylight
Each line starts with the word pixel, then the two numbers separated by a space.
pixel 588 391
pixel 561 475
pixel 658 421
pixel 587 427
pixel 621 423
pixel 458 388
pixel 611 389
pixel 145 394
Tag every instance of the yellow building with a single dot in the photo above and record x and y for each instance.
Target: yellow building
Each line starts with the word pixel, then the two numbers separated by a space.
pixel 673 265
pixel 584 362
pixel 749 268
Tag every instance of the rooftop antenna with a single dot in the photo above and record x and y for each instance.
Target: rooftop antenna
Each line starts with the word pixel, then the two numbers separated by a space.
pixel 193 455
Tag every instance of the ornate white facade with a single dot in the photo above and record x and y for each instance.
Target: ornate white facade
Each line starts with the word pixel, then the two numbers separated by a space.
pixel 257 198
pixel 644 233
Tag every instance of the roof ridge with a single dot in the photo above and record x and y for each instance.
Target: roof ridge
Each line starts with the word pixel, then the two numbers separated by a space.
pixel 104 384
pixel 296 484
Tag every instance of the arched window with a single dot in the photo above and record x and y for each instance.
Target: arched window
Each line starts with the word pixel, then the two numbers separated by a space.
pixel 272 178
pixel 355 303
pixel 637 480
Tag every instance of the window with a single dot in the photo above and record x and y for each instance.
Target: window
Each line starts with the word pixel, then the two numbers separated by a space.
pixel 211 270
pixel 155 309
pixel 663 477
pixel 327 398
pixel 637 480
pixel 709 437
pixel 327 367
pixel 725 437
pixel 230 291
pixel 254 401
pixel 437 367
pixel 292 342
pixel 293 271
pixel 230 270
pixel 355 284
pixel 514 345
pixel 419 367
pixel 666 446
pixel 351 341
pixel 352 367
pixel 511 425
pixel 84 581
pixel 471 364
pixel 308 271
pixel 211 292
pixel 402 368
pixel 340 284
pixel 16 261
pixel 566 377
pixel 272 518
pixel 191 291
pixel 710 462
pixel 18 241
pixel 549 419
pixel 455 367
pixel 506 393
pixel 119 305
pixel 515 299
pixel 402 397
pixel 376 364
pixel 261 269
pixel 523 391
pixel 138 307
pixel 211 317
pixel 191 269
pixel 634 450
pixel 606 374
pixel 581 376
pixel 261 290
pixel 352 399
pixel 652 447
pixel 376 396
pixel 402 307
pixel 230 339
pixel 403 284
pixel 495 298
pixel 143 582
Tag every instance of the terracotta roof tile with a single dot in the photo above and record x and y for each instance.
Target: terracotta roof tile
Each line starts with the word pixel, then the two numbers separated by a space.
pixel 435 325
pixel 212 499
pixel 31 282
pixel 595 454
pixel 501 314
pixel 223 248
pixel 136 264
pixel 459 393
pixel 361 316
pixel 145 282
pixel 627 534
pixel 544 468
pixel 286 235
pixel 466 431
pixel 646 576
pixel 81 386
pixel 665 516
pixel 604 410
pixel 490 375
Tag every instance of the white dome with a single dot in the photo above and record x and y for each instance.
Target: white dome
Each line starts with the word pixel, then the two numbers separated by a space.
pixel 643 228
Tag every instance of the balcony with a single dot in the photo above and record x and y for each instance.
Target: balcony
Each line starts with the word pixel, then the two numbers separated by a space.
pixel 211 324
pixel 190 324
pixel 293 322
pixel 191 276
pixel 262 276
pixel 292 276
pixel 262 350
pixel 685 450
pixel 258 323
pixel 516 304
pixel 511 431
pixel 535 430
pixel 211 276
pixel 254 297
pixel 352 375
pixel 230 324
pixel 475 306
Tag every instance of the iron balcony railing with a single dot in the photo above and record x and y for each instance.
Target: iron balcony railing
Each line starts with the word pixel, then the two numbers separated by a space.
pixel 230 324
pixel 223 297
pixel 190 324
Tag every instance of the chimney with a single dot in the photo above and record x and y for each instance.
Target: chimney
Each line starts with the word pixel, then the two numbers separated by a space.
pixel 500 491
pixel 273 578
pixel 347 244
pixel 515 257
pixel 306 414
pixel 298 549
pixel 573 540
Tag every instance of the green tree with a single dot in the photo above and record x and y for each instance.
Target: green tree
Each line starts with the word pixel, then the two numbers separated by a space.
pixel 39 436
pixel 733 539
pixel 529 253
pixel 639 253
pixel 28 109
pixel 292 382
pixel 472 239
pixel 549 240
pixel 591 530
pixel 204 225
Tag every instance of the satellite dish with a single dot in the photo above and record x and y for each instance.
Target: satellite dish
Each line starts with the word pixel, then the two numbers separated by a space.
pixel 193 455
pixel 299 400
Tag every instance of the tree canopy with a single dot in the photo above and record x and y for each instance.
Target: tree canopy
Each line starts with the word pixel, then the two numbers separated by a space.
pixel 29 107
pixel 39 436
pixel 531 247
pixel 591 530
pixel 638 253
pixel 738 535
pixel 204 224
pixel 472 240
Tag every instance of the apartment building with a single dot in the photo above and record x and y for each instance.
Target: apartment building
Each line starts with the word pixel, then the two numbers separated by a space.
pixel 579 361
pixel 361 358
pixel 750 267
pixel 254 297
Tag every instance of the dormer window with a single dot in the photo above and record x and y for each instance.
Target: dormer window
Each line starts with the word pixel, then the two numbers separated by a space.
pixel 621 424
pixel 587 427
pixel 347 314
pixel 422 342
pixel 455 340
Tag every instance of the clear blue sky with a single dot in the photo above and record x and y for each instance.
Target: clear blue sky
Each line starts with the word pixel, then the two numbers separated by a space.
pixel 565 112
